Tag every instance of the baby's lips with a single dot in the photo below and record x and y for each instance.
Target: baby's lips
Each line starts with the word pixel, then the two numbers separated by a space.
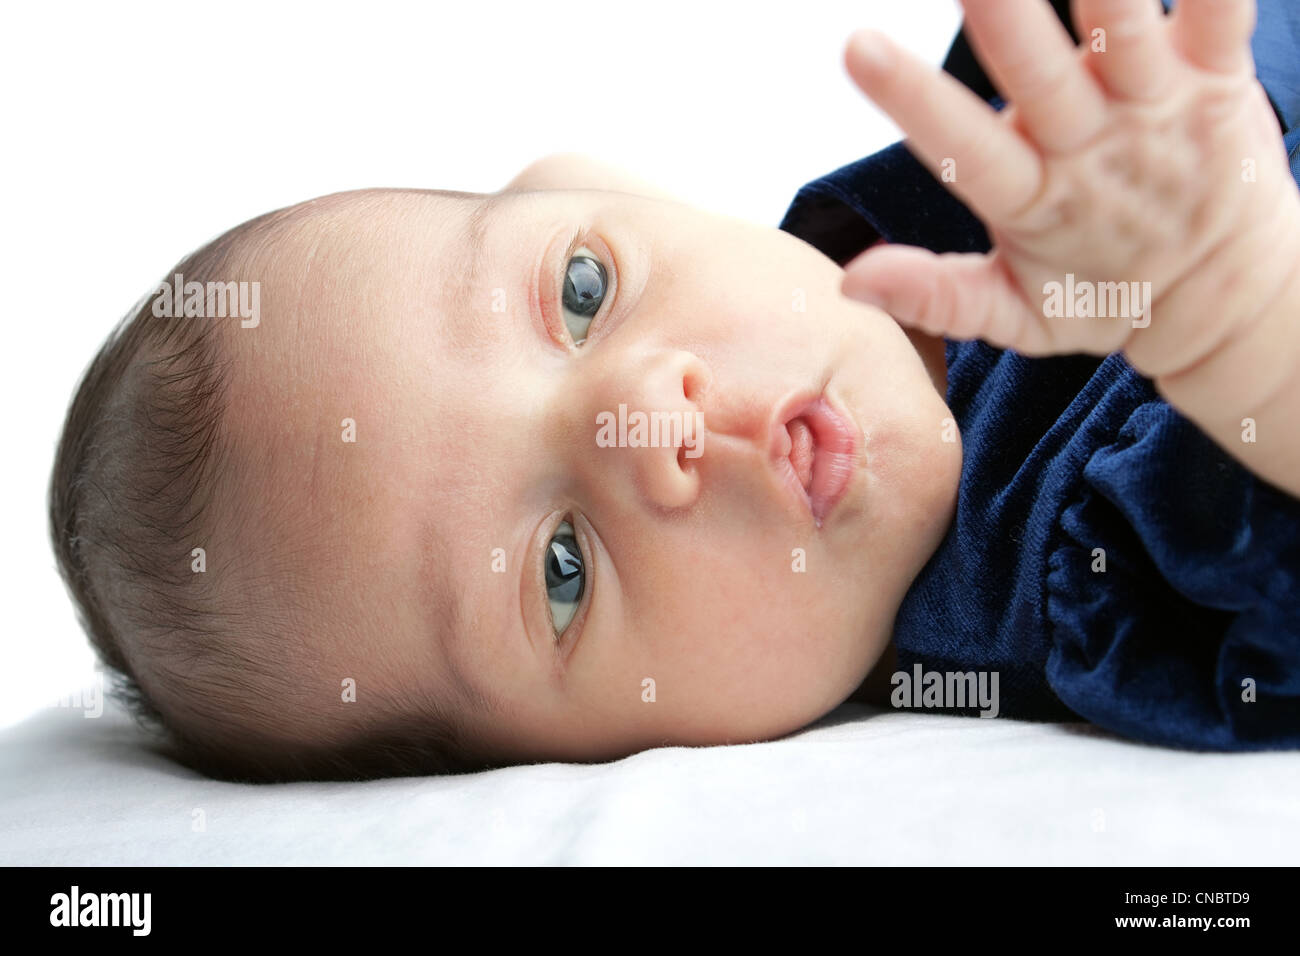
pixel 819 447
pixel 801 451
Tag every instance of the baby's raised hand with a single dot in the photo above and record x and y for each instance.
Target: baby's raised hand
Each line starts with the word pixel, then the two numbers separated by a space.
pixel 1150 154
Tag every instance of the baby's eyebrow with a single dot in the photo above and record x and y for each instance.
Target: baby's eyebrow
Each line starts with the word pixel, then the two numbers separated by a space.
pixel 450 620
pixel 467 309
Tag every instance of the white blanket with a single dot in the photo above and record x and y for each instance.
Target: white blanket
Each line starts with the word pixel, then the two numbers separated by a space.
pixel 862 786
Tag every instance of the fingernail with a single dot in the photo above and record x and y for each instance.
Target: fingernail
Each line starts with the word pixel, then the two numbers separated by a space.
pixel 870 49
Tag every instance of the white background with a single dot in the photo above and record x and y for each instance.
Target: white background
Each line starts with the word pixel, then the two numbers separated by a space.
pixel 134 133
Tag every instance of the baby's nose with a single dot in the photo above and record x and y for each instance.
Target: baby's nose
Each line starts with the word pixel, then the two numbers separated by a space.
pixel 652 431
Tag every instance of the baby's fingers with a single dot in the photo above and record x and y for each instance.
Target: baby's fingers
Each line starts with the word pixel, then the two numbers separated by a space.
pixel 957 295
pixel 1215 34
pixel 963 141
pixel 1033 61
pixel 1129 46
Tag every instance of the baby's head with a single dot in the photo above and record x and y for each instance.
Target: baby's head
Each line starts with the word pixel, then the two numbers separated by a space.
pixel 433 535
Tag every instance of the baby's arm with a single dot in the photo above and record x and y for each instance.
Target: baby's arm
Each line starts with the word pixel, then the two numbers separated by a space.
pixel 1150 157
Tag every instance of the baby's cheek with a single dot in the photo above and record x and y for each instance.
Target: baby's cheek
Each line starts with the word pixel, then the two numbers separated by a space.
pixel 770 577
pixel 765 611
pixel 756 647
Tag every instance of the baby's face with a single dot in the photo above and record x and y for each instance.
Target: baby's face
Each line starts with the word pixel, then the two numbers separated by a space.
pixel 693 597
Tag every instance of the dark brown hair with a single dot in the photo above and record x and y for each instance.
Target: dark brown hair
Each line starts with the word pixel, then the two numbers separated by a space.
pixel 135 485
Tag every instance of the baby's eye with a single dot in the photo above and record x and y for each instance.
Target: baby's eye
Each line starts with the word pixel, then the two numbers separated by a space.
pixel 565 576
pixel 584 291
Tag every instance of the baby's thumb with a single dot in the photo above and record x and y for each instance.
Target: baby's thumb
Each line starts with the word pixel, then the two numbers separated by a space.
pixel 956 295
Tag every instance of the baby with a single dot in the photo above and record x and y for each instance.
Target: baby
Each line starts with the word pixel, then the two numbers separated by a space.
pixel 416 481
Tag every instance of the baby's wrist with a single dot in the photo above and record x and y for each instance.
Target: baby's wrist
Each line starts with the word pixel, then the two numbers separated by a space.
pixel 1245 393
pixel 1242 372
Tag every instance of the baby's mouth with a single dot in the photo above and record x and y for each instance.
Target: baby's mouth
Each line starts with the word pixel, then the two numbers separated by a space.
pixel 803 449
pixel 819 445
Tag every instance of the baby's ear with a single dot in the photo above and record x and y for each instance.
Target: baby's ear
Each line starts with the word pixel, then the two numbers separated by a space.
pixel 575 171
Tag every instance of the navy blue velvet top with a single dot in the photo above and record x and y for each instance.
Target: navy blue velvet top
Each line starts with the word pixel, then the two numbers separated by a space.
pixel 1190 636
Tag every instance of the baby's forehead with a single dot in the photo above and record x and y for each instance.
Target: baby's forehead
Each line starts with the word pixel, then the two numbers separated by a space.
pixel 328 389
pixel 366 231
pixel 337 274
